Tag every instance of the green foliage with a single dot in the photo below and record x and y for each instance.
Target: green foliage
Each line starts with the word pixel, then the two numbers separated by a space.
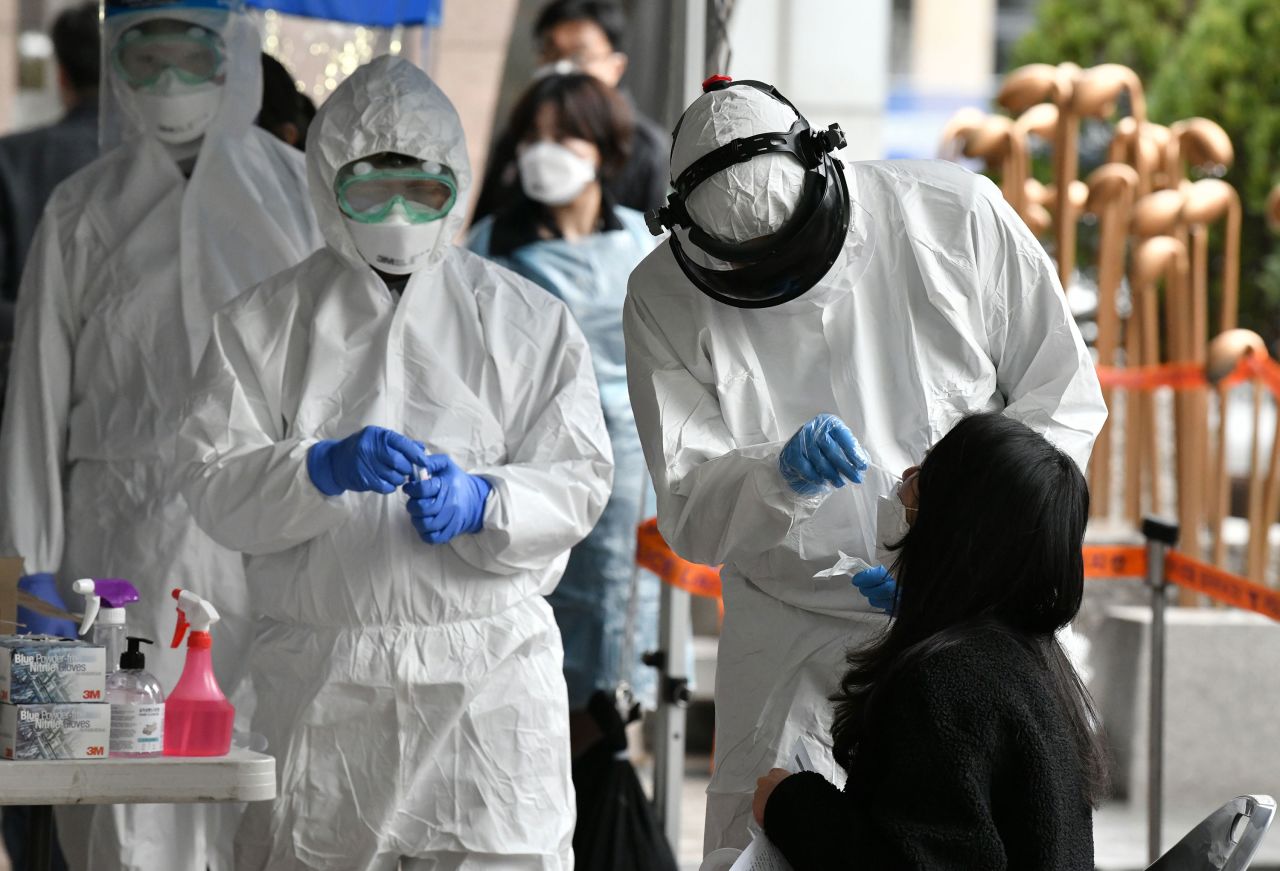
pixel 1225 67
pixel 1137 33
pixel 1213 58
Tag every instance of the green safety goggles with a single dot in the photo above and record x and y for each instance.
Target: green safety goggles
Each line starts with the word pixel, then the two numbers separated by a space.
pixel 195 56
pixel 368 195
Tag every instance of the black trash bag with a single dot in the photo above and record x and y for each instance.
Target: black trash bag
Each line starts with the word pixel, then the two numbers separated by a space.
pixel 617 830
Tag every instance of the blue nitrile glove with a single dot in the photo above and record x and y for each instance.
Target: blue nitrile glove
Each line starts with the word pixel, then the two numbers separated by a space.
pixel 878 586
pixel 374 459
pixel 42 587
pixel 449 503
pixel 822 453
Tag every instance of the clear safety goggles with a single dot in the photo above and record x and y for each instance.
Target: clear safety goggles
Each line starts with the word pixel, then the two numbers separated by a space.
pixel 368 193
pixel 195 55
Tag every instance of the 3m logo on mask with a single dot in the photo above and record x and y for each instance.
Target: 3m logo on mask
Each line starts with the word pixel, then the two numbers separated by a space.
pixel 398 248
pixel 182 114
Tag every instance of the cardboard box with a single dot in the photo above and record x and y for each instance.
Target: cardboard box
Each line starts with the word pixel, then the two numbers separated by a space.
pixel 70 731
pixel 39 669
pixel 10 572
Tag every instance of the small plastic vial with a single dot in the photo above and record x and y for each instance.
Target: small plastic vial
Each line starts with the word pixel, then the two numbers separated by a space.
pixel 137 706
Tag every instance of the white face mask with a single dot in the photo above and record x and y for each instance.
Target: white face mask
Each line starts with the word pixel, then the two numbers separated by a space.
pixel 552 174
pixel 891 525
pixel 562 67
pixel 178 112
pixel 396 246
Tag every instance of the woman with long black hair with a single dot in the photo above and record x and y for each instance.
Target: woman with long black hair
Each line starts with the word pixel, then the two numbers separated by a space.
pixel 968 739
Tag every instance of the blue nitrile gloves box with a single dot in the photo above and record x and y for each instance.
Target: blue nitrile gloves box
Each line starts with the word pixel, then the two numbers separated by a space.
pixel 43 669
pixel 51 698
pixel 79 730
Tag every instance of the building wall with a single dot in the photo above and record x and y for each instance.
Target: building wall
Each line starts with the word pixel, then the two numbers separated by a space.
pixel 953 46
pixel 467 59
pixel 830 59
pixel 8 62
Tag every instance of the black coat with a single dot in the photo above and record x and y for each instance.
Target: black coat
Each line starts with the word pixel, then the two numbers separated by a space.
pixel 32 164
pixel 966 763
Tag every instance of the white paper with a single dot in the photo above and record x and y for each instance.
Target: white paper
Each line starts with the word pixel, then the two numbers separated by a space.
pixel 720 860
pixel 846 565
pixel 761 855
pixel 800 757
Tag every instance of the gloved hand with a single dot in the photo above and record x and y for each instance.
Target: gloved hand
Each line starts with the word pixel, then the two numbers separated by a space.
pixel 822 452
pixel 374 459
pixel 42 586
pixel 449 503
pixel 878 586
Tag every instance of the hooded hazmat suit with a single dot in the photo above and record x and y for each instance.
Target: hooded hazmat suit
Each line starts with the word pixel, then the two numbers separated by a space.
pixel 128 264
pixel 411 693
pixel 941 303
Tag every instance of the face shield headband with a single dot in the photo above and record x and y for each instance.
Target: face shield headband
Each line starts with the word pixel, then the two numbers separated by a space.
pixel 777 268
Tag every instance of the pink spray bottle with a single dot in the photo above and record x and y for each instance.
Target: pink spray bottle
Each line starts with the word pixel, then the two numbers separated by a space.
pixel 197 717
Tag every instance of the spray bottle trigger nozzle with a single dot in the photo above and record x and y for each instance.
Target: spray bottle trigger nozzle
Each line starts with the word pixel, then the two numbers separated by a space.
pixel 85 587
pixel 180 629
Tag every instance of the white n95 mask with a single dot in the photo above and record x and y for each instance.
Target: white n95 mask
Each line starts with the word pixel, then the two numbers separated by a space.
pixel 891 525
pixel 396 246
pixel 552 174
pixel 177 112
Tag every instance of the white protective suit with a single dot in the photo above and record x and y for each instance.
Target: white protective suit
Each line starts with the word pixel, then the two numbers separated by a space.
pixel 411 693
pixel 128 264
pixel 940 304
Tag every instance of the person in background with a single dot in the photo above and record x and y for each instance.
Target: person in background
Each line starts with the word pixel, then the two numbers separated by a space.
pixel 188 205
pixel 33 162
pixel 587 36
pixel 407 668
pixel 286 111
pixel 967 737
pixel 561 229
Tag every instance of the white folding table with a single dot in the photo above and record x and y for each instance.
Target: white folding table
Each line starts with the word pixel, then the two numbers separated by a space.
pixel 241 775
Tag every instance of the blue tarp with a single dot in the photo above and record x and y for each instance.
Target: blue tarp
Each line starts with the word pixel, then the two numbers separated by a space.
pixel 370 13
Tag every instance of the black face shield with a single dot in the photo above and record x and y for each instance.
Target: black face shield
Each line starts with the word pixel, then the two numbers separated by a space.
pixel 773 269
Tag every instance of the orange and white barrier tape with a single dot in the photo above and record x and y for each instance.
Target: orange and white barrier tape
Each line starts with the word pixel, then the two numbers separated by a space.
pixel 1114 562
pixel 1188 376
pixel 1179 376
pixel 1218 584
pixel 1222 586
pixel 654 554
pixel 1100 562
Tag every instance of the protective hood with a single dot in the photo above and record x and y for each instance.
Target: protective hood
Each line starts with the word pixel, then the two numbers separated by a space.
pixel 122 118
pixel 386 105
pixel 761 205
pixel 242 217
pixel 747 200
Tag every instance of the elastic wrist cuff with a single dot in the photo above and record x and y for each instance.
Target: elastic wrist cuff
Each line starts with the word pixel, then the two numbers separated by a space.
pixel 319 470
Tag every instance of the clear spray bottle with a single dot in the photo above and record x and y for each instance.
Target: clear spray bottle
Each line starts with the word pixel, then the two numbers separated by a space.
pixel 104 603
